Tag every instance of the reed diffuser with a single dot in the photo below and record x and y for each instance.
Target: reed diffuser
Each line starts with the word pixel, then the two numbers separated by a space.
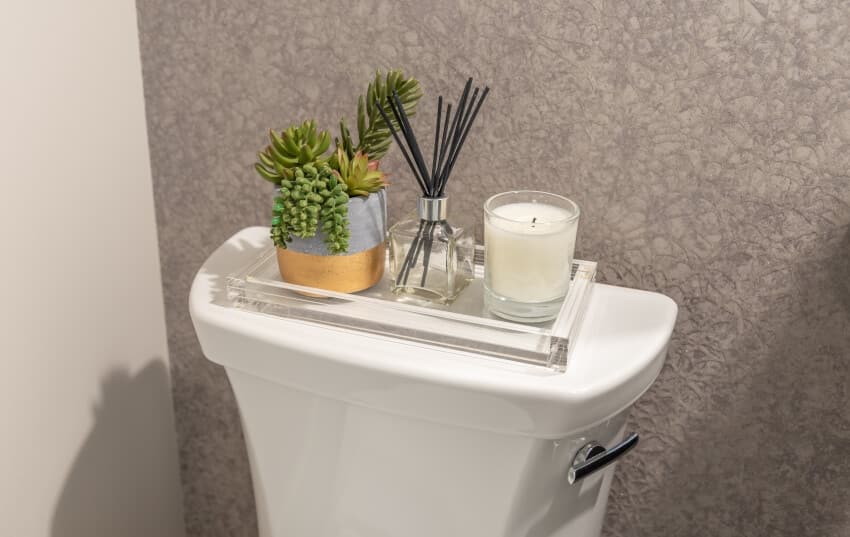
pixel 430 258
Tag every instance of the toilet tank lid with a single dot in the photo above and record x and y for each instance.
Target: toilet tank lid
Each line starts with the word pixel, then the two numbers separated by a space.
pixel 618 354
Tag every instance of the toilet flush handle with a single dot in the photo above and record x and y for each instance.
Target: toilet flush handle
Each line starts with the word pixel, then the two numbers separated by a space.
pixel 593 457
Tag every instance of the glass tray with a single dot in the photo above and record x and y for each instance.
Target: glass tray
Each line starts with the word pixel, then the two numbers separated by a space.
pixel 462 325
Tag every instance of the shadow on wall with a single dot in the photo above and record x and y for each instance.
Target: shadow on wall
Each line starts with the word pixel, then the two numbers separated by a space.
pixel 219 497
pixel 119 484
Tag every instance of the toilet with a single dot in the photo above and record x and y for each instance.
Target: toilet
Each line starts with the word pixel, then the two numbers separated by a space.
pixel 357 435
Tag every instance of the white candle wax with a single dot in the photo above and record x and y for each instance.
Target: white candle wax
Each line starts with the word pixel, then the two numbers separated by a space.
pixel 529 251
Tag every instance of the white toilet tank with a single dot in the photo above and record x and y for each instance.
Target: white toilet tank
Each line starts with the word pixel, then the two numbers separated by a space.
pixel 353 435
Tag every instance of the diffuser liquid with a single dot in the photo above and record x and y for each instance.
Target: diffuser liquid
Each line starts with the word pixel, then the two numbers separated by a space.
pixel 430 260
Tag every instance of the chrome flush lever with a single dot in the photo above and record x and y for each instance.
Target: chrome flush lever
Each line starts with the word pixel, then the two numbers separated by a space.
pixel 593 457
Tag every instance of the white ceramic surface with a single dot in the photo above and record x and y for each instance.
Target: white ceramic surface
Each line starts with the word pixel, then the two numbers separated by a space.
pixel 356 435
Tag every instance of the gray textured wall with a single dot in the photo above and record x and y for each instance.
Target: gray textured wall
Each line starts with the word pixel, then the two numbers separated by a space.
pixel 708 143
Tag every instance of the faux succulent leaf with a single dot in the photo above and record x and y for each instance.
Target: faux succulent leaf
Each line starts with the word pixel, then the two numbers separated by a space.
pixel 361 117
pixel 265 173
pixel 361 176
pixel 324 143
pixel 298 145
pixel 265 160
pixel 372 131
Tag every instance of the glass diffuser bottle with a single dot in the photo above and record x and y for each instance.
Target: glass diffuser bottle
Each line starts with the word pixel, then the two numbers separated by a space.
pixel 430 258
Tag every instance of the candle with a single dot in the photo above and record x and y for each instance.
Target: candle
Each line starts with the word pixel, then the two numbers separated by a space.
pixel 529 241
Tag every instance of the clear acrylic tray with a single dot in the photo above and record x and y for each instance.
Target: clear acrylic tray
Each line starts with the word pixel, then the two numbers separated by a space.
pixel 461 326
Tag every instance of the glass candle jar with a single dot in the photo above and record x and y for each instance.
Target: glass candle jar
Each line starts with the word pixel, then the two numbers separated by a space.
pixel 529 240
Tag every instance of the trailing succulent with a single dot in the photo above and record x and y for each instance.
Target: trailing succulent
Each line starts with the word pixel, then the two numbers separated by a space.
pixel 313 195
pixel 314 188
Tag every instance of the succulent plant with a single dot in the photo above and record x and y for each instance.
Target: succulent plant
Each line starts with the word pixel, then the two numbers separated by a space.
pixel 312 195
pixel 372 131
pixel 361 176
pixel 315 187
pixel 297 146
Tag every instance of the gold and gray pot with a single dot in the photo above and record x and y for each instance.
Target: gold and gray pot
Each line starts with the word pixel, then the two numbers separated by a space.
pixel 308 262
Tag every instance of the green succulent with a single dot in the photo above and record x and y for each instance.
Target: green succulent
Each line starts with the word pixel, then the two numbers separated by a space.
pixel 313 195
pixel 373 134
pixel 360 176
pixel 297 146
pixel 314 187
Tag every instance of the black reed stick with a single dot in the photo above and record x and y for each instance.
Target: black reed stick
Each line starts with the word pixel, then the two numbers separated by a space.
pixel 411 141
pixel 462 125
pixel 458 115
pixel 455 141
pixel 445 153
pixel 462 105
pixel 426 259
pixel 402 127
pixel 437 136
pixel 411 256
pixel 463 139
pixel 443 142
pixel 400 145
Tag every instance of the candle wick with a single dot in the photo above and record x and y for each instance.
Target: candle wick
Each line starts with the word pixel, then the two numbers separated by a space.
pixel 534 220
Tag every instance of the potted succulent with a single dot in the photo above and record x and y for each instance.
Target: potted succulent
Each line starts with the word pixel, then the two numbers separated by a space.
pixel 329 216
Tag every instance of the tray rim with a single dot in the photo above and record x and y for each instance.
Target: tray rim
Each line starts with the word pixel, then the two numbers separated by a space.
pixel 560 334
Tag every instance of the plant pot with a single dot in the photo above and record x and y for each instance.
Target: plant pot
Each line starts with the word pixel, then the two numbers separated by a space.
pixel 307 261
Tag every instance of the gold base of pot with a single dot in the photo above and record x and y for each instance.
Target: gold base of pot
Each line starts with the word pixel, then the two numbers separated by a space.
pixel 341 273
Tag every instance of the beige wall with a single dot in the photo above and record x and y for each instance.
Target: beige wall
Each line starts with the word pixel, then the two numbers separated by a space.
pixel 707 142
pixel 87 441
